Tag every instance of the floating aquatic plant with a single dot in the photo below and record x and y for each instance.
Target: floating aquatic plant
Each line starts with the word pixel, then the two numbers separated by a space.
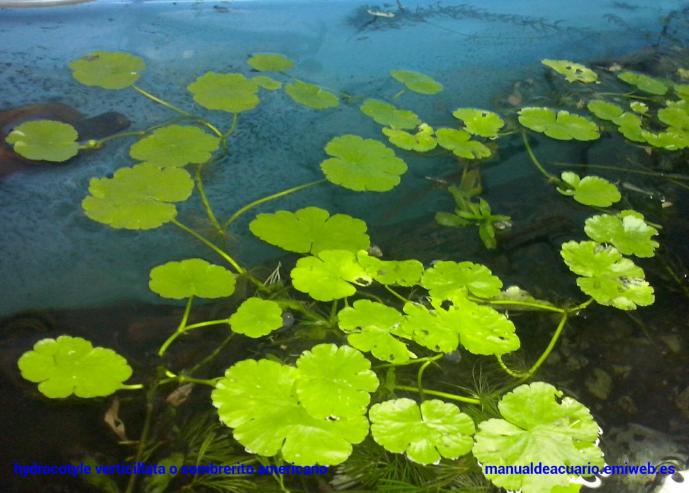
pixel 480 122
pixel 460 143
pixel 44 140
pixel 389 115
pixel 644 82
pixel 590 190
pixel 422 141
pixel 175 145
pixel 108 69
pixel 233 93
pixel 560 125
pixel 573 72
pixel 191 277
pixel 311 95
pixel 417 82
pixel 270 62
pixel 256 317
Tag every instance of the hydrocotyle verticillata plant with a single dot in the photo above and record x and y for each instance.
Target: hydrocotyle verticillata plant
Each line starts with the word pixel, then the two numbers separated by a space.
pixel 376 315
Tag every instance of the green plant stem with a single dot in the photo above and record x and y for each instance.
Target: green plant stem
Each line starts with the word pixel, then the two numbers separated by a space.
pixel 208 323
pixel 150 405
pixel 579 307
pixel 420 372
pixel 198 179
pixel 180 328
pixel 210 245
pixel 177 109
pixel 410 362
pixel 212 355
pixel 396 294
pixel 268 198
pixel 630 95
pixel 98 143
pixel 551 178
pixel 530 304
pixel 133 386
pixel 437 393
pixel 624 170
pixel 230 131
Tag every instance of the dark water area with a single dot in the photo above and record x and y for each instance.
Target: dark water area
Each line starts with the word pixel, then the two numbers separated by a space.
pixel 65 274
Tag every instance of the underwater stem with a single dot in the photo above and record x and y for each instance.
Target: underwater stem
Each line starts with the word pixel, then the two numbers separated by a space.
pixel 422 369
pixel 210 245
pixel 396 294
pixel 530 304
pixel 150 402
pixel 212 355
pixel 180 328
pixel 437 393
pixel 550 347
pixel 198 179
pixel 551 178
pixel 98 143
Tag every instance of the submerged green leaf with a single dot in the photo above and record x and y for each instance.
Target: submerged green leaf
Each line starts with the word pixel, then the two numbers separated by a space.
pixel 446 280
pixel 258 399
pixel 424 433
pixel 590 190
pixel 44 140
pixel 480 122
pixel 421 141
pixel 389 115
pixel 191 277
pixel 560 125
pixel 417 82
pixel 362 164
pixel 460 143
pixel 270 62
pixel 330 275
pixel 71 365
pixel 140 197
pixel 108 69
pixel 233 93
pixel 573 72
pixel 644 82
pixel 175 145
pixel 626 231
pixel 335 382
pixel 311 230
pixel 604 109
pixel 311 96
pixel 538 425
pixel 256 317
pixel 371 327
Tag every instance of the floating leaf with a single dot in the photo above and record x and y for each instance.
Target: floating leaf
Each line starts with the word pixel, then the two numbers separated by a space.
pixel 270 62
pixel 560 125
pixel 447 279
pixel 258 400
pixel 371 326
pixel 71 365
pixel 538 426
pixel 396 272
pixel 644 82
pixel 311 96
pixel 107 69
pixel 389 115
pixel 267 83
pixel 256 318
pixel 460 143
pixel 191 277
pixel 140 197
pixel 604 110
pixel 639 107
pixel 335 382
pixel 233 93
pixel 417 82
pixel 311 230
pixel 672 139
pixel 480 122
pixel 609 278
pixel 675 116
pixel 362 164
pixel 424 433
pixel 626 231
pixel 421 141
pixel 44 140
pixel 573 72
pixel 330 275
pixel 590 190
pixel 175 145
pixel 629 125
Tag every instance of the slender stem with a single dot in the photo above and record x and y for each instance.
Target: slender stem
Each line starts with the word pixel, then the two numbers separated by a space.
pixel 208 323
pixel 180 328
pixel 625 170
pixel 580 306
pixel 422 369
pixel 268 198
pixel 150 404
pixel 396 294
pixel 512 373
pixel 630 95
pixel 97 143
pixel 437 393
pixel 133 386
pixel 530 304
pixel 198 179
pixel 551 178
pixel 212 355
pixel 210 245
pixel 203 381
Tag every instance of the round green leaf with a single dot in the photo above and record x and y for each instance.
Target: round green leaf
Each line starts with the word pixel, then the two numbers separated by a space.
pixel 573 72
pixel 417 82
pixel 371 326
pixel 311 230
pixel 258 400
pixel 626 231
pixel 421 141
pixel 256 317
pixel 330 275
pixel 538 425
pixel 560 125
pixel 644 82
pixel 388 115
pixel 460 143
pixel 191 277
pixel 675 116
pixel 671 139
pixel 270 62
pixel 629 125
pixel 175 145
pixel 267 83
pixel 140 197
pixel 311 96
pixel 624 293
pixel 398 272
pixel 424 433
pixel 591 190
pixel 71 365
pixel 44 140
pixel 480 122
pixel 233 93
pixel 604 110
pixel 447 279
pixel 334 382
pixel 108 69
pixel 362 164
pixel 639 107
